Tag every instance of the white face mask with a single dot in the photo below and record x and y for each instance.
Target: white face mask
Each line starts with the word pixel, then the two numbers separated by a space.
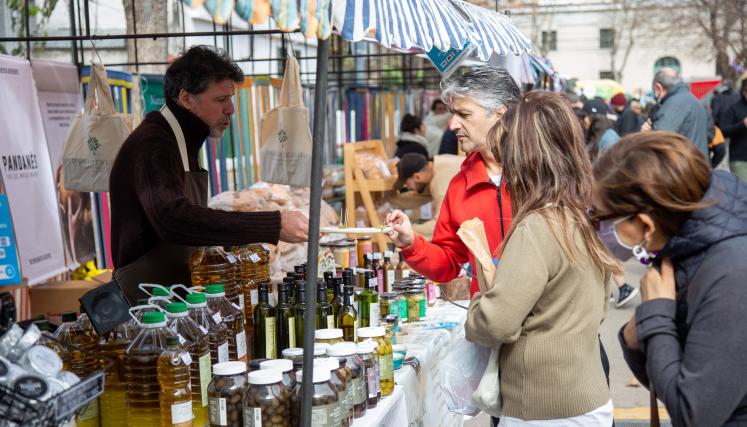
pixel 609 236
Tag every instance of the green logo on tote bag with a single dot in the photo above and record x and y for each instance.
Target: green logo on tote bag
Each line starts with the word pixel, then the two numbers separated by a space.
pixel 93 144
pixel 282 136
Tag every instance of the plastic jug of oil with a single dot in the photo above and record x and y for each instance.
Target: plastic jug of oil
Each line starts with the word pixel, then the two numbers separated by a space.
pixel 113 402
pixel 193 338
pixel 174 379
pixel 141 368
pixel 211 264
pixel 232 317
pixel 217 331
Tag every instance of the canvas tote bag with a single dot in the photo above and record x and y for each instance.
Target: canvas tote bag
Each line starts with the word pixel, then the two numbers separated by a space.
pixel 95 138
pixel 284 134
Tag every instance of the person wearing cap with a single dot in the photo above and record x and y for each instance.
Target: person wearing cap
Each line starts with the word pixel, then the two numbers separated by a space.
pixel 478 99
pixel 627 120
pixel 431 177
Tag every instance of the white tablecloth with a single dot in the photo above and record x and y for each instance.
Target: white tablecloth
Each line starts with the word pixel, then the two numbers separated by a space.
pixel 417 399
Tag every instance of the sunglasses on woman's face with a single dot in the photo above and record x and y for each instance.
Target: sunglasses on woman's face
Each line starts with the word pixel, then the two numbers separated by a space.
pixel 596 220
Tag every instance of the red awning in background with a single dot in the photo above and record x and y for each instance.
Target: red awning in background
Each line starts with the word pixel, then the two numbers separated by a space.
pixel 703 87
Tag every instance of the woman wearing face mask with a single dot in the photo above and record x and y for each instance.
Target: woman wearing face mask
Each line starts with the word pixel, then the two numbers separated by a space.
pixel 550 291
pixel 656 198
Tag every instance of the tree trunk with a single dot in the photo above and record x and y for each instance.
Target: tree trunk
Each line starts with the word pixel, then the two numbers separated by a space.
pixel 151 17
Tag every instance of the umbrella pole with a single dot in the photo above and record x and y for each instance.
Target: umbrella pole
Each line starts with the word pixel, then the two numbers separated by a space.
pixel 317 156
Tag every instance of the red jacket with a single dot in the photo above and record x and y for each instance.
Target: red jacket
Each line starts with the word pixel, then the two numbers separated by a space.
pixel 471 194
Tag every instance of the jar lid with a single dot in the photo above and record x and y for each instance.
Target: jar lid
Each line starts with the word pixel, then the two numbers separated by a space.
pixel 291 352
pixel 389 295
pixel 330 363
pixel 320 349
pixel 195 298
pixel 327 334
pixel 229 368
pixel 44 360
pixel 371 332
pixel 266 376
pixel 280 365
pixel 153 317
pixel 365 348
pixel 341 349
pixel 176 307
pixel 320 375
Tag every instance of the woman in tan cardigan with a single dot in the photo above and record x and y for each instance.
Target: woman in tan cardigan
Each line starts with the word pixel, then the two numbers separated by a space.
pixel 550 292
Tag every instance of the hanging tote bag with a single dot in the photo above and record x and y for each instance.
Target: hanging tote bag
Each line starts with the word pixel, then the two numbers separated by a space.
pixel 284 134
pixel 95 138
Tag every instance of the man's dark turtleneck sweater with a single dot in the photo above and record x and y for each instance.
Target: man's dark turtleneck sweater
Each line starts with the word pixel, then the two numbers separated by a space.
pixel 147 195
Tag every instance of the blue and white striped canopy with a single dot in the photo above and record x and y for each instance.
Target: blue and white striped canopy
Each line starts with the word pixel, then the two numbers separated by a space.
pixel 424 24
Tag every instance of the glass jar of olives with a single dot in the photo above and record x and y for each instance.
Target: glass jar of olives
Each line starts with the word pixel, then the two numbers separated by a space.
pixel 285 366
pixel 416 304
pixel 225 393
pixel 295 355
pixel 370 372
pixel 355 371
pixel 267 402
pixel 325 410
pixel 384 354
pixel 342 384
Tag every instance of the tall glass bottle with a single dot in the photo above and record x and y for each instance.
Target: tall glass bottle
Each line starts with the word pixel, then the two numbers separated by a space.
pixel 286 325
pixel 325 318
pixel 290 287
pixel 174 377
pixel 403 271
pixel 369 303
pixel 390 272
pixel 230 314
pixel 378 268
pixel 265 315
pixel 337 294
pixel 347 316
pixel 216 331
pixel 299 310
pixel 328 276
pixel 113 402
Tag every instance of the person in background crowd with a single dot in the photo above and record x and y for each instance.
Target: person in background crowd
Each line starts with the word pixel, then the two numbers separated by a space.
pixel 478 98
pixel 627 120
pixel 411 137
pixel 724 96
pixel 656 199
pixel 547 312
pixel 436 122
pixel 734 127
pixel 449 143
pixel 601 136
pixel 635 106
pixel 158 191
pixel 680 111
pixel 432 177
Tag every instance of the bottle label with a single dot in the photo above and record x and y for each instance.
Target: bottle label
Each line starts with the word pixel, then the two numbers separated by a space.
pixel 371 382
pixel 230 257
pixel 331 321
pixel 223 352
pixel 181 340
pixel 387 366
pixel 390 279
pixel 380 280
pixel 205 376
pixel 292 332
pixel 217 317
pixel 375 314
pixel 405 273
pixel 181 412
pixel 355 329
pixel 217 411
pixel 241 346
pixel 422 309
pixel 254 257
pixel 241 302
pixel 186 358
pixel 254 296
pixel 252 417
pixel 359 391
pixel 373 283
pixel 326 415
pixel 270 344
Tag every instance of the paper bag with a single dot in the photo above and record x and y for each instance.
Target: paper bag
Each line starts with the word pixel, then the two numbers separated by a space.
pixel 285 137
pixel 487 395
pixel 95 138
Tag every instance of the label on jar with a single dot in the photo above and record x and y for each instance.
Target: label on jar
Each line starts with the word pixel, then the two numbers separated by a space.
pixel 331 321
pixel 241 302
pixel 371 382
pixel 403 310
pixel 205 375
pixel 254 296
pixel 270 344
pixel 387 367
pixel 181 412
pixel 359 391
pixel 422 309
pixel 326 415
pixel 252 417
pixel 377 369
pixel 375 314
pixel 241 346
pixel 223 353
pixel 217 317
pixel 292 332
pixel 218 412
pixel 348 400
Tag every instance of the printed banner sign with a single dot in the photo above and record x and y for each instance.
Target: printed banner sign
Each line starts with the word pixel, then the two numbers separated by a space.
pixel 27 174
pixel 448 62
pixel 9 271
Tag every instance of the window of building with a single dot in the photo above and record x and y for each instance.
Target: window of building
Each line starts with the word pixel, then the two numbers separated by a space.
pixel 549 40
pixel 606 38
pixel 607 75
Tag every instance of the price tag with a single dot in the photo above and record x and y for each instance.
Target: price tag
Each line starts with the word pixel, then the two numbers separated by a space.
pixel 231 258
pixel 255 258
pixel 181 339
pixel 187 358
pixel 217 317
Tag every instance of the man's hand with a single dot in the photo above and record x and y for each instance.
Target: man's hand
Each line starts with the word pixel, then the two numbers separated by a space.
pixel 656 285
pixel 647 126
pixel 294 227
pixel 402 234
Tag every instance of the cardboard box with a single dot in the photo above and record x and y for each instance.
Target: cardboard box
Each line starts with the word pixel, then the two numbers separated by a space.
pixel 55 297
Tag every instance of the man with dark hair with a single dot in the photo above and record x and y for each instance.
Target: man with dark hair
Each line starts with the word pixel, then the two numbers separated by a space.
pixel 411 137
pixel 734 126
pixel 159 192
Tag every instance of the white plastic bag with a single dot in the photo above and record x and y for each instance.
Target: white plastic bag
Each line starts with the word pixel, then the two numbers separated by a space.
pixel 460 374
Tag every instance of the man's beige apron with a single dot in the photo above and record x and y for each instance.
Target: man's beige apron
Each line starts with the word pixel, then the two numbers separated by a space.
pixel 166 263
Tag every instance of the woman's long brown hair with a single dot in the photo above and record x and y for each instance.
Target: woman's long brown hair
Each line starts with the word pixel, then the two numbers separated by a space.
pixel 547 169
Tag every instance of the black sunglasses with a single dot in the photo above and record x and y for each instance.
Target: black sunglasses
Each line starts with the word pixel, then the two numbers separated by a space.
pixel 596 220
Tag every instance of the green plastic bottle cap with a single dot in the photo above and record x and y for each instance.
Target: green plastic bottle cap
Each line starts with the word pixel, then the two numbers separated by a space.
pixel 69 316
pixel 195 298
pixel 159 292
pixel 214 289
pixel 151 317
pixel 172 340
pixel 176 307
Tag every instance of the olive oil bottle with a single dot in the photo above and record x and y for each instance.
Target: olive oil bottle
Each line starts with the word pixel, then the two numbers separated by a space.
pixel 369 302
pixel 299 310
pixel 325 318
pixel 173 378
pixel 286 326
pixel 347 316
pixel 265 344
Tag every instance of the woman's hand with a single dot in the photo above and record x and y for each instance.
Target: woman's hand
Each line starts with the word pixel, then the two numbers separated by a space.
pixel 401 234
pixel 655 284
